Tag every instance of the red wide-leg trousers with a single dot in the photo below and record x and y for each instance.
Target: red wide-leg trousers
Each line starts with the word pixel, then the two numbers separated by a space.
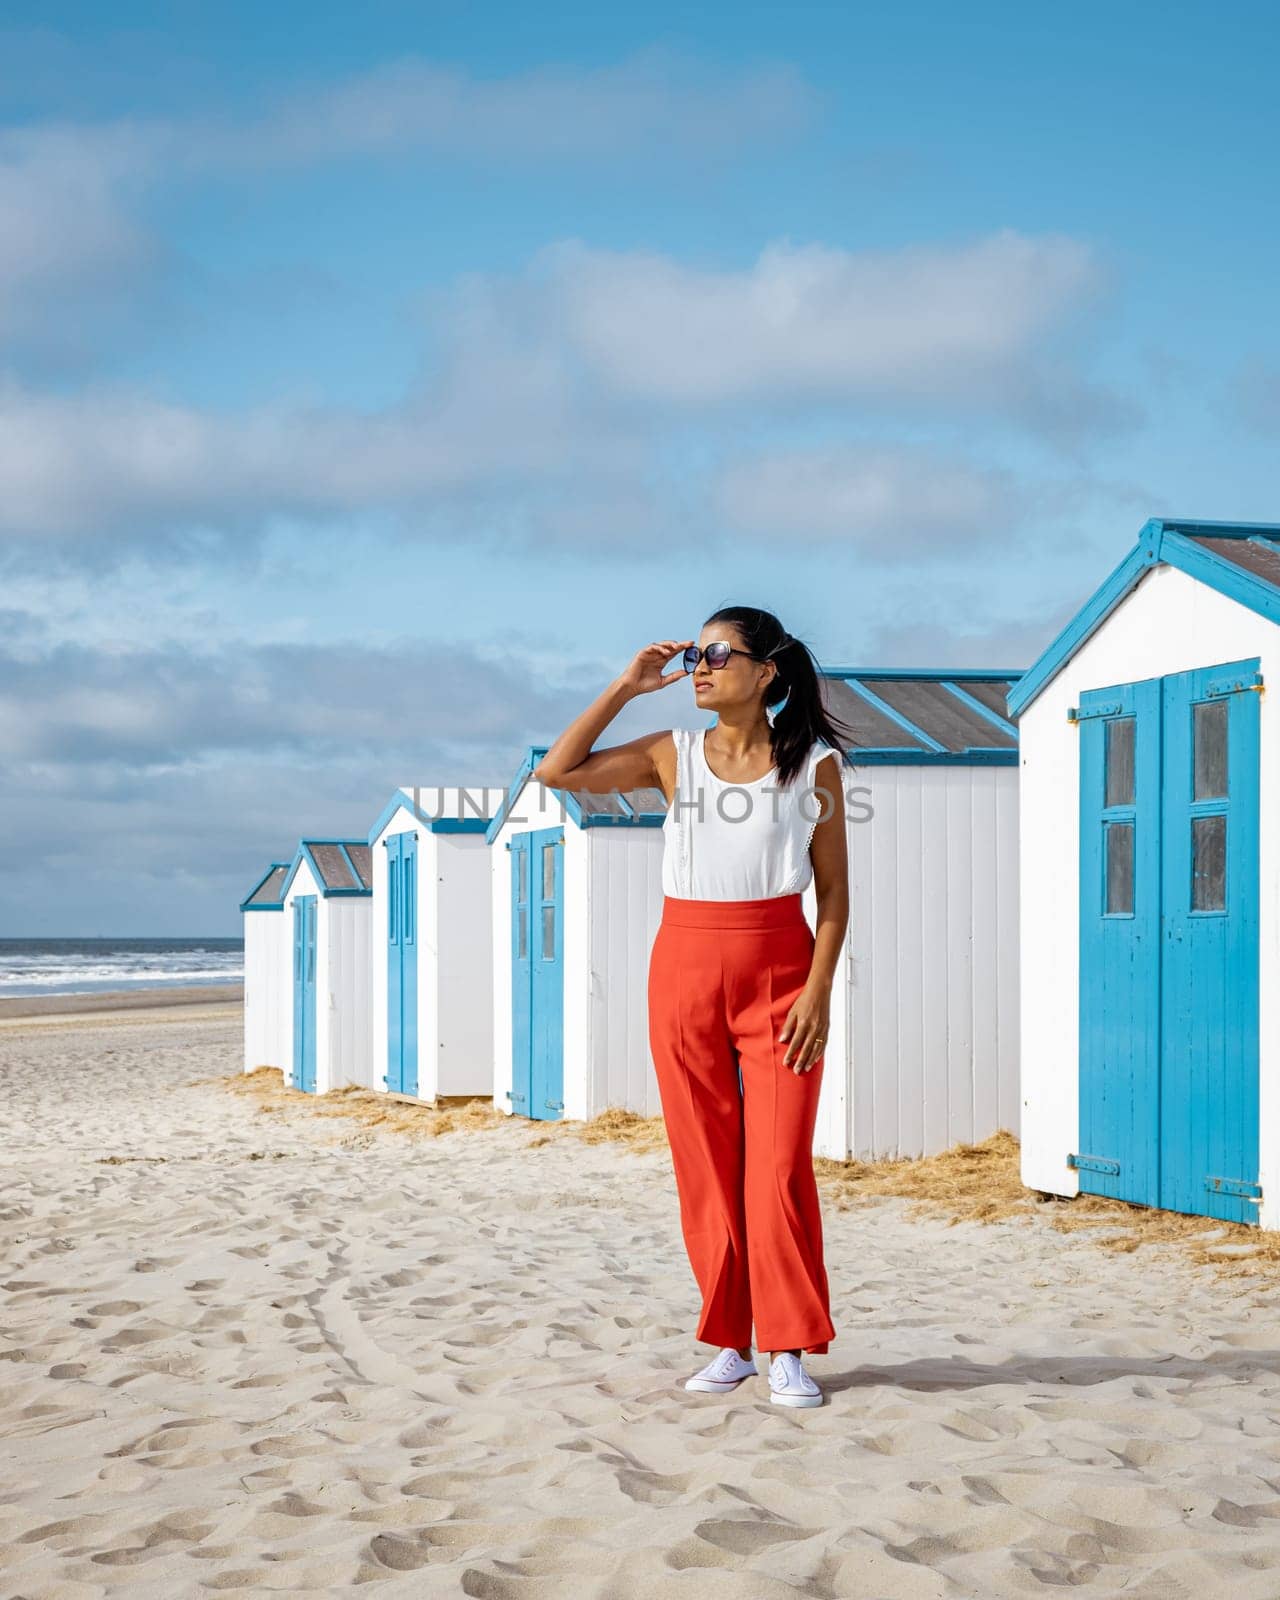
pixel 722 976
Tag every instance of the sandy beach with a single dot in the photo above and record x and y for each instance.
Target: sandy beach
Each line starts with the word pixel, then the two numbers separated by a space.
pixel 252 1350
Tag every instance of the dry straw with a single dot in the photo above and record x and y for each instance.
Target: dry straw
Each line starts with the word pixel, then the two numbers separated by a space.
pixel 968 1183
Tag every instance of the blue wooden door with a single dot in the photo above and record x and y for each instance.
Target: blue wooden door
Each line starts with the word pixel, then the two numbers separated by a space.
pixel 1169 942
pixel 1120 941
pixel 537 974
pixel 304 993
pixel 402 963
pixel 1209 989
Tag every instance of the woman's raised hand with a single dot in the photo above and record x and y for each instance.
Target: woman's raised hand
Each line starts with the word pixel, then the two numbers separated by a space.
pixel 645 673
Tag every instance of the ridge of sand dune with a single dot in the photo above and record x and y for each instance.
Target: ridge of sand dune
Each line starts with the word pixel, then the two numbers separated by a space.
pixel 251 1352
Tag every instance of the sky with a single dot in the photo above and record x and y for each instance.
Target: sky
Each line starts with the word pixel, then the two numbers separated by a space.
pixel 375 381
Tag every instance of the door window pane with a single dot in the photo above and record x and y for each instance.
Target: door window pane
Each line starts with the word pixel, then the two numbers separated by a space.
pixel 548 872
pixel 1119 762
pixel 548 933
pixel 1119 867
pixel 522 932
pixel 1209 746
pixel 1209 863
pixel 522 875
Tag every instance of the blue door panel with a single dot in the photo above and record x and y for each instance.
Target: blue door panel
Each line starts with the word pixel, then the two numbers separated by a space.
pixel 402 962
pixel 1209 1107
pixel 1119 941
pixel 537 974
pixel 304 993
pixel 1169 942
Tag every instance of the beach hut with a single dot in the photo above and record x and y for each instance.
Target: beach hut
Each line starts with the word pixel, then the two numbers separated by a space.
pixel 432 943
pixel 267 993
pixel 327 894
pixel 577 897
pixel 1150 873
pixel 922 1051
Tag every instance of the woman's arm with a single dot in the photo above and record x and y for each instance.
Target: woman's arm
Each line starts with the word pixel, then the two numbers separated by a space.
pixel 810 1017
pixel 571 763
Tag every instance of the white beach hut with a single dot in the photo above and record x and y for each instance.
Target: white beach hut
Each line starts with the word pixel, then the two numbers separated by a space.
pixel 1150 872
pixel 577 897
pixel 432 943
pixel 268 993
pixel 923 1047
pixel 327 894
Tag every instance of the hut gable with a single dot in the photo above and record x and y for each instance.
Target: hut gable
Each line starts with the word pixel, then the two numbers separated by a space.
pixel 1240 560
pixel 632 808
pixel 339 867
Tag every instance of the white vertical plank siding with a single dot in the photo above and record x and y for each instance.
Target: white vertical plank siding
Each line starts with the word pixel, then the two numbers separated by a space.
pixel 626 907
pixel 929 984
pixel 461 931
pixel 268 989
pixel 579 895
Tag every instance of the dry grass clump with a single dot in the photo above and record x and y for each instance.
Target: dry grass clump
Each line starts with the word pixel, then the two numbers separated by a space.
pixel 982 1183
pixel 967 1183
pixel 267 1088
pixel 638 1133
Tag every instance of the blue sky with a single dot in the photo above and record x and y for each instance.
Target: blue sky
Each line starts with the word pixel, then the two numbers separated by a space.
pixel 374 382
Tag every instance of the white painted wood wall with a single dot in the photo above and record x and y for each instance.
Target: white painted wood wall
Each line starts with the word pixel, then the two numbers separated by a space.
pixel 612 903
pixel 1169 623
pixel 344 1023
pixel 924 1044
pixel 454 950
pixel 268 990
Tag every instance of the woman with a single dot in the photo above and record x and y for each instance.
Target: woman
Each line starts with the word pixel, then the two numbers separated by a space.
pixel 739 985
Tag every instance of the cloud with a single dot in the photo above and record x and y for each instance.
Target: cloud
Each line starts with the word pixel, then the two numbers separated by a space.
pixel 557 389
pixel 891 503
pixel 73 194
pixel 153 784
pixel 965 327
pixel 653 104
pixel 69 241
pixel 148 709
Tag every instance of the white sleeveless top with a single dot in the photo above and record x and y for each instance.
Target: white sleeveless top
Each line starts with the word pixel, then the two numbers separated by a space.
pixel 738 841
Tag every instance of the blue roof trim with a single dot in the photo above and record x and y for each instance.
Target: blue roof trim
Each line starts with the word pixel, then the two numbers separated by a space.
pixel 431 824
pixel 992 717
pixel 929 674
pixel 532 756
pixel 975 756
pixel 1162 540
pixel 304 854
pixel 886 710
pixel 266 905
pixel 573 811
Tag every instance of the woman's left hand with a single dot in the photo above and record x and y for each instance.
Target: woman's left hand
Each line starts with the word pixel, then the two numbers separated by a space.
pixel 806 1028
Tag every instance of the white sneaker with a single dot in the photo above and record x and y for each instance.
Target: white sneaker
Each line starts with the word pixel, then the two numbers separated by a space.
pixel 722 1373
pixel 791 1384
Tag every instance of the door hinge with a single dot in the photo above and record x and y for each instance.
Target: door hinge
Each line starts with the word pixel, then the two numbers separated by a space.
pixel 1249 680
pixel 1112 708
pixel 1239 1186
pixel 1101 1164
pixel 554 1105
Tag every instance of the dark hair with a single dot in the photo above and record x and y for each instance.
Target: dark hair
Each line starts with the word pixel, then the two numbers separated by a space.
pixel 803 717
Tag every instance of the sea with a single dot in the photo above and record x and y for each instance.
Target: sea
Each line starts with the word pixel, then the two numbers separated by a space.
pixel 96 966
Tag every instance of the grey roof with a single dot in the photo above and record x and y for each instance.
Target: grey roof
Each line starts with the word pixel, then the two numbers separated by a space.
pixel 922 714
pixel 269 893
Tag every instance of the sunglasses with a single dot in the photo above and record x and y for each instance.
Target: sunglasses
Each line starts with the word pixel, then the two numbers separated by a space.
pixel 717 655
